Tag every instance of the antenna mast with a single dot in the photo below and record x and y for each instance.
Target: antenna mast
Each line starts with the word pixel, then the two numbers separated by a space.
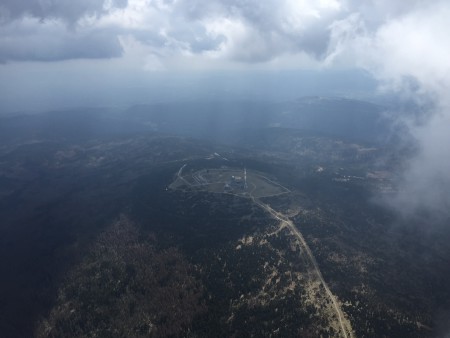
pixel 245 178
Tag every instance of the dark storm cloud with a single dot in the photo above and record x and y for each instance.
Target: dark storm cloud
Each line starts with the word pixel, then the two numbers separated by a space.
pixel 274 28
pixel 301 32
pixel 246 31
pixel 54 42
pixel 192 37
pixel 48 30
pixel 206 43
pixel 69 10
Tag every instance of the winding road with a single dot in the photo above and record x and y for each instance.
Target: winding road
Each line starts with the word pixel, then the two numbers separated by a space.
pixel 344 323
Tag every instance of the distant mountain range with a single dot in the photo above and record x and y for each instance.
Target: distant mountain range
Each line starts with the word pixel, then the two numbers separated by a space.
pixel 351 119
pixel 223 122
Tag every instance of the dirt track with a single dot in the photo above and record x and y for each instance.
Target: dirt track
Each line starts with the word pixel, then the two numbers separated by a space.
pixel 344 323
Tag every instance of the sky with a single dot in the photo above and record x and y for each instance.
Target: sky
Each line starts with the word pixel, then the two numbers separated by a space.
pixel 92 51
pixel 56 53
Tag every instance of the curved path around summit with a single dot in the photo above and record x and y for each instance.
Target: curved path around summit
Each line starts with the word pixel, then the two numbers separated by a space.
pixel 344 323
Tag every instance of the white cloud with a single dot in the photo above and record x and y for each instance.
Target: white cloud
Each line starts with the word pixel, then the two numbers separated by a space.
pixel 408 54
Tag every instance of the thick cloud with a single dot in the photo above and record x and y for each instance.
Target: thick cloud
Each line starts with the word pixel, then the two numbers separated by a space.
pixel 408 53
pixel 56 9
pixel 52 30
pixel 52 42
pixel 244 31
pixel 256 31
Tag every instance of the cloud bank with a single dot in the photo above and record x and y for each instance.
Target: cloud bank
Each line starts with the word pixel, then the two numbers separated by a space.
pixel 248 31
pixel 408 55
pixel 240 31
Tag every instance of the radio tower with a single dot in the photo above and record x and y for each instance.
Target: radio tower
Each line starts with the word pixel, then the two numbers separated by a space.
pixel 245 178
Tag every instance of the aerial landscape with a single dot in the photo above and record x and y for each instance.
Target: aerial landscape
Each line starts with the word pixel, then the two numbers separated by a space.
pixel 224 169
